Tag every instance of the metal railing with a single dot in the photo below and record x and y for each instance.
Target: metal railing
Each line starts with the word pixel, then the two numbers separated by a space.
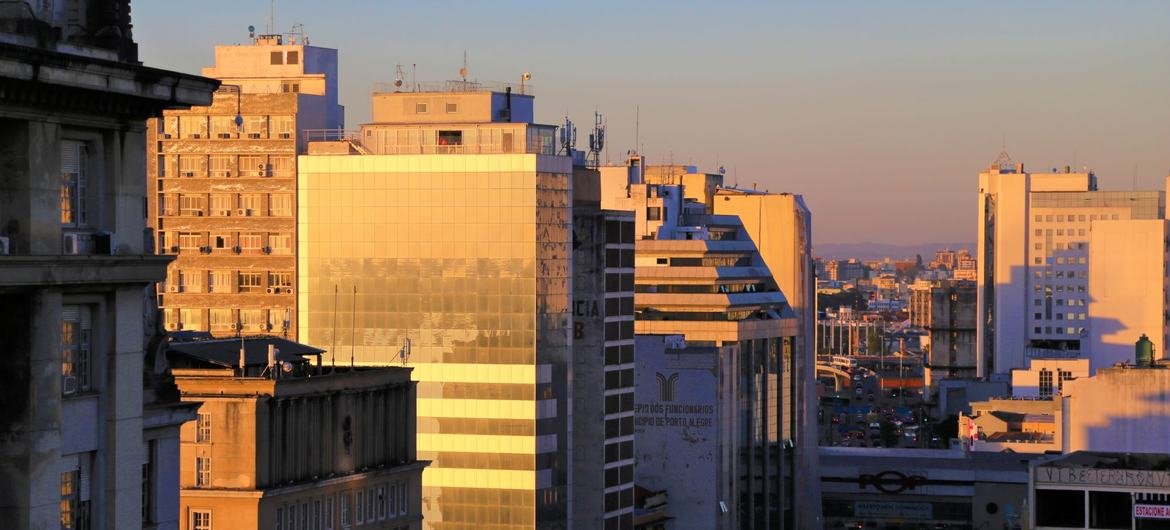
pixel 454 86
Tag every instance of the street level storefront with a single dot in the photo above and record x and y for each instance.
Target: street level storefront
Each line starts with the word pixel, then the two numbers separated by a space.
pixel 886 488
pixel 1101 490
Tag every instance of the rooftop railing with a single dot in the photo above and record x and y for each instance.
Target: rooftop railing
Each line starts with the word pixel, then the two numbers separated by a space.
pixel 453 86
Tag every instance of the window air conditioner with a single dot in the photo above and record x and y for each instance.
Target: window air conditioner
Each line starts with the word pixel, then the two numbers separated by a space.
pixel 188 173
pixel 5 246
pixel 288 290
pixel 236 250
pixel 172 288
pixel 198 213
pixel 71 244
pixel 175 249
pixel 166 136
pixel 285 136
pixel 241 212
pixel 68 385
pixel 267 250
pixel 254 136
pixel 225 135
pixel 270 290
pixel 197 136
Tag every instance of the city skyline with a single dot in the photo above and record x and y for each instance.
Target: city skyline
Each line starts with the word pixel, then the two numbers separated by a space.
pixel 859 108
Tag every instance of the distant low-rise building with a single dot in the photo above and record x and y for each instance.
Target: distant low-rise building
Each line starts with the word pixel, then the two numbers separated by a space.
pixel 281 442
pixel 1089 489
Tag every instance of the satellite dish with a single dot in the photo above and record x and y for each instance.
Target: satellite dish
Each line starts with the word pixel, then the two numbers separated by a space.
pixel 527 76
pixel 463 72
pixel 397 82
pixel 287 367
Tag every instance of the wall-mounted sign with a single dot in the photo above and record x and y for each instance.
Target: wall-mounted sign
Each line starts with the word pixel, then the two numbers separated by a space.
pixel 891 481
pixel 893 510
pixel 1151 511
pixel 1108 477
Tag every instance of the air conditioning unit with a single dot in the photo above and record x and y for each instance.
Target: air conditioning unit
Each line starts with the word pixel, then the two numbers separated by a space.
pixel 254 136
pixel 199 213
pixel 175 249
pixel 171 326
pixel 5 246
pixel 240 212
pixel 236 250
pixel 72 244
pixel 288 290
pixel 196 136
pixel 223 213
pixel 205 250
pixel 105 243
pixel 188 173
pixel 172 288
pixel 285 136
pixel 166 136
pixel 225 135
pixel 271 290
pixel 267 250
pixel 69 385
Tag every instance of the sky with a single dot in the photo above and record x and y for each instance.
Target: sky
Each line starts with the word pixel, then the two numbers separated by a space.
pixel 881 114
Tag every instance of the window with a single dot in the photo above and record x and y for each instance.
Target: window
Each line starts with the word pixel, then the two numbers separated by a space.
pixel 420 108
pixel 283 126
pixel 221 282
pixel 76 343
pixel 193 126
pixel 221 165
pixel 203 427
pixel 280 205
pixel 290 86
pixel 193 165
pixel 293 57
pixel 223 127
pixel 202 472
pixel 148 482
pixel 251 242
pixel 280 518
pixel 1060 508
pixel 70 500
pixel 255 127
pixel 221 318
pixel 304 516
pixel 251 204
pixel 280 279
pixel 291 517
pixel 1045 383
pixel 201 520
pixel 192 204
pixel 381 503
pixel 221 241
pixel 279 318
pixel 280 243
pixel 393 499
pixel 251 282
pixel 74 184
pixel 329 513
pixel 221 204
pixel 253 320
pixel 653 213
pixel 317 514
pixel 359 507
pixel 191 319
pixel 452 108
pixel 370 504
pixel 449 139
pixel 276 58
pixel 345 522
pixel 401 498
pixel 253 166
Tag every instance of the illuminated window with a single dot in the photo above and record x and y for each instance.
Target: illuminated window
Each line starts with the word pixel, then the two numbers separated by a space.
pixel 251 281
pixel 203 428
pixel 191 319
pixel 76 343
pixel 280 205
pixel 74 184
pixel 221 319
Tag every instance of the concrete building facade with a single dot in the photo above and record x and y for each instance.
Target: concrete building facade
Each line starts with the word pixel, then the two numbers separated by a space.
pixel 458 256
pixel 281 443
pixel 223 187
pixel 84 443
pixel 1033 259
pixel 603 360
pixel 952 329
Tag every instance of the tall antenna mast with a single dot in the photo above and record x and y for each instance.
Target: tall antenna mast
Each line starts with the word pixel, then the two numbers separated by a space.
pixel 596 141
pixel 272 17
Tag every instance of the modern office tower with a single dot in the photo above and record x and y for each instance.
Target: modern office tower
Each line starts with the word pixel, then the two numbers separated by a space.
pixel 78 448
pixel 780 224
pixel 603 360
pixel 223 186
pixel 282 443
pixel 722 452
pixel 451 244
pixel 1033 259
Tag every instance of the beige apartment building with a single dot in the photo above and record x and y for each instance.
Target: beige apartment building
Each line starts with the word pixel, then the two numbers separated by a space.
pixel 281 443
pixel 222 181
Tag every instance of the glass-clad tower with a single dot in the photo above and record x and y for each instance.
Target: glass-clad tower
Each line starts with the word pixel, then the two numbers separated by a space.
pixel 442 231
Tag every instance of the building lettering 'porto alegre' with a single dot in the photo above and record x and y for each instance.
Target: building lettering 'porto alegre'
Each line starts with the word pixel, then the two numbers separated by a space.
pixel 673 415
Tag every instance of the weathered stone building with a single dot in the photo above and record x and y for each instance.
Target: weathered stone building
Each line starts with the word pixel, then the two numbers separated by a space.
pixel 78 448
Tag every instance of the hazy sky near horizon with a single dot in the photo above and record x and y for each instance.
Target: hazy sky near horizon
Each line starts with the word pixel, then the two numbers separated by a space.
pixel 881 114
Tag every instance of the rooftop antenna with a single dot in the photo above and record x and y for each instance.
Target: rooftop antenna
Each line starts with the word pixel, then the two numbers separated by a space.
pixel 271 17
pixel 1004 161
pixel 568 136
pixel 596 141
pixel 298 30
pixel 252 33
pixel 463 71
pixel 398 76
pixel 352 325
pixel 524 78
pixel 404 352
pixel 637 126
pixel 333 346
pixel 413 77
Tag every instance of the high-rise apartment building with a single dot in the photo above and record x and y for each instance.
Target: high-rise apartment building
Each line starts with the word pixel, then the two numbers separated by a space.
pixel 83 442
pixel 950 326
pixel 1033 261
pixel 700 278
pixel 603 359
pixel 223 186
pixel 281 442
pixel 451 243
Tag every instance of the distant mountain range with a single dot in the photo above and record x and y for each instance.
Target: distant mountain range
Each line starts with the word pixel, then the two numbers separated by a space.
pixel 870 250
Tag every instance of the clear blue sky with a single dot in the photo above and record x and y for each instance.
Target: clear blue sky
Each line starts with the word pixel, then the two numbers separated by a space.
pixel 880 113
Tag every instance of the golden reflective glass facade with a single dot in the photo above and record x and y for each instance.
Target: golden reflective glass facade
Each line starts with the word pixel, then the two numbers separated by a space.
pixel 467 256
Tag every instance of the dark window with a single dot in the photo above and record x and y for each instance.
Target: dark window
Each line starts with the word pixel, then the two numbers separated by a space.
pixel 276 58
pixel 653 213
pixel 293 58
pixel 450 137
pixel 627 282
pixel 628 232
pixel 612 331
pixel 627 354
pixel 1060 508
pixel 612 306
pixel 627 306
pixel 612 355
pixel 627 330
pixel 613 231
pixel 1110 509
pixel 627 257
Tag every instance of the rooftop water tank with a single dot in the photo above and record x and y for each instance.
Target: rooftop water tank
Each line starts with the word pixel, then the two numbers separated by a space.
pixel 1143 352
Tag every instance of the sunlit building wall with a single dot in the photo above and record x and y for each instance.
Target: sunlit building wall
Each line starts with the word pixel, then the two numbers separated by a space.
pixel 458 255
pixel 1033 261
